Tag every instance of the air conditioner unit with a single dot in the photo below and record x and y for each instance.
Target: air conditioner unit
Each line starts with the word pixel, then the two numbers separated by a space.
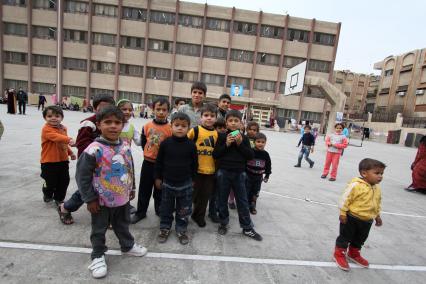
pixel 401 94
pixel 420 92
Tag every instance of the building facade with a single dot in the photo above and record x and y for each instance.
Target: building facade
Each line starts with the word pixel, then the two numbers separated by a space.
pixel 141 49
pixel 402 88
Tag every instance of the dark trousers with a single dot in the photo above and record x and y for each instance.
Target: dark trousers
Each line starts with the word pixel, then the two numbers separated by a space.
pixel 146 185
pixel 57 178
pixel 119 218
pixel 42 106
pixel 305 151
pixel 226 180
pixel 253 185
pixel 203 187
pixel 354 232
pixel 213 209
pixel 179 198
pixel 74 203
pixel 22 106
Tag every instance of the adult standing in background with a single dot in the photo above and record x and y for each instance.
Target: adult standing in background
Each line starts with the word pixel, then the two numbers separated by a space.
pixel 22 98
pixel 11 101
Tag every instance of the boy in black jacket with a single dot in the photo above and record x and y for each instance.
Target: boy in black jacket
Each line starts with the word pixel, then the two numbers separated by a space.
pixel 257 167
pixel 308 143
pixel 232 152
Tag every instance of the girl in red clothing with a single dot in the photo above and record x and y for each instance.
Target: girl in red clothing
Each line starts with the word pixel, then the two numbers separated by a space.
pixel 419 169
pixel 335 142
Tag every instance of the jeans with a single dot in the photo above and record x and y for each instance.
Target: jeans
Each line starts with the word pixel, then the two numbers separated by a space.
pixel 74 203
pixel 354 232
pixel 305 151
pixel 179 198
pixel 226 180
pixel 253 185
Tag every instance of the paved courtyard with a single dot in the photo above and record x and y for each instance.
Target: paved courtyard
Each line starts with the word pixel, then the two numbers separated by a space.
pixel 296 216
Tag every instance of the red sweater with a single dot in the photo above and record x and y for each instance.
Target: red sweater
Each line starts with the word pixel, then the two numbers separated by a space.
pixel 86 134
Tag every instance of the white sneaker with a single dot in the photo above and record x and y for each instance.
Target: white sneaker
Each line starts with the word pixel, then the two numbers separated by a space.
pixel 98 267
pixel 136 250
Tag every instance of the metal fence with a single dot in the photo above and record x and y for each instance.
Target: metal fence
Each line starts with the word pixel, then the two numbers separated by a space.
pixel 414 122
pixel 359 116
pixel 384 116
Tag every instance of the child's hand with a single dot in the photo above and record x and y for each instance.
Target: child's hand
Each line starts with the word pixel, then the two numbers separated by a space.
pixel 265 180
pixel 343 219
pixel 132 195
pixel 238 139
pixel 93 206
pixel 229 139
pixel 158 183
pixel 379 221
pixel 73 157
pixel 71 142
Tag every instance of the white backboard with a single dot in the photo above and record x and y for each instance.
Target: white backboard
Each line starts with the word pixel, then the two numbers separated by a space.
pixel 295 79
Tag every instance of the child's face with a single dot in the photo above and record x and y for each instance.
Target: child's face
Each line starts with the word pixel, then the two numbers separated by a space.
pixel 373 176
pixel 339 129
pixel 233 123
pixel 197 96
pixel 161 111
pixel 53 119
pixel 224 104
pixel 221 129
pixel 111 127
pixel 307 130
pixel 102 105
pixel 180 127
pixel 260 144
pixel 127 110
pixel 252 131
pixel 208 119
pixel 180 103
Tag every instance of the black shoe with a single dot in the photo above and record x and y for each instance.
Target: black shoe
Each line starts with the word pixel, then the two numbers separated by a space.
pixel 297 166
pixel 323 176
pixel 200 223
pixel 47 199
pixel 214 218
pixel 251 233
pixel 222 230
pixel 232 206
pixel 411 189
pixel 134 218
pixel 163 236
pixel 311 165
pixel 332 179
pixel 183 238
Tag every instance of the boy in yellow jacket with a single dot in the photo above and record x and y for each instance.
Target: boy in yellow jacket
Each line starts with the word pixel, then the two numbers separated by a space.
pixel 359 206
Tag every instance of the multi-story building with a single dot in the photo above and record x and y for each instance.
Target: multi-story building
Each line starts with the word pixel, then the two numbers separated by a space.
pixel 360 90
pixel 140 49
pixel 402 87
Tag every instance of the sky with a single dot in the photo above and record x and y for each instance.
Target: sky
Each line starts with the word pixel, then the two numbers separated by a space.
pixel 371 29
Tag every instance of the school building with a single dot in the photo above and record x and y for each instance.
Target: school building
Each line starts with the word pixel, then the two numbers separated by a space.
pixel 141 49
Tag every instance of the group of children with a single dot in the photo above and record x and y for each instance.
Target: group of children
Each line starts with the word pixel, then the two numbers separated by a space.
pixel 185 169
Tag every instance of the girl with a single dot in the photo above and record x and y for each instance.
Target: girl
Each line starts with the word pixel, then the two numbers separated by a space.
pixel 129 132
pixel 419 169
pixel 336 143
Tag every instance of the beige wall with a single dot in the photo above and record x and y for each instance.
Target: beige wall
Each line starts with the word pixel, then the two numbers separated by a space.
pixel 74 78
pixel 44 18
pixel 43 74
pixel 16 72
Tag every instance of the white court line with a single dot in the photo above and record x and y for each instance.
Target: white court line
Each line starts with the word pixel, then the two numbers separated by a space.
pixel 270 261
pixel 334 205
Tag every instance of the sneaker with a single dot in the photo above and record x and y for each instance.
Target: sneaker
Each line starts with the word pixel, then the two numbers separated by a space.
pixel 232 205
pixel 354 255
pixel 311 165
pixel 324 176
pixel 136 250
pixel 163 236
pixel 332 179
pixel 297 166
pixel 340 258
pixel 98 267
pixel 214 218
pixel 183 238
pixel 251 233
pixel 222 230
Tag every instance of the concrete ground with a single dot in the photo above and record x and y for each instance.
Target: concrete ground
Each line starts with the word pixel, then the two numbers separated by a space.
pixel 296 216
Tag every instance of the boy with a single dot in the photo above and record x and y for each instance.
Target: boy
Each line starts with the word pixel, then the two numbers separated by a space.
pixel 257 167
pixel 223 105
pixel 178 103
pixel 359 206
pixel 252 130
pixel 308 143
pixel 204 137
pixel 104 177
pixel 86 135
pixel 175 170
pixel 232 151
pixel 55 149
pixel 198 93
pixel 153 134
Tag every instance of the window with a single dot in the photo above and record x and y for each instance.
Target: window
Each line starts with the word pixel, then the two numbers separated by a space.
pixel 134 14
pixel 44 32
pixel 44 4
pixel 239 81
pixel 388 72
pixel 73 91
pixel 105 10
pixel 282 87
pixel 245 28
pixel 191 21
pixel 217 24
pixel 131 96
pixel 270 31
pixel 15 3
pixel 96 91
pixel 75 36
pixel 75 64
pixel 298 35
pixel 44 60
pixel 104 39
pixel 242 55
pixel 15 84
pixel 268 59
pixel 15 57
pixel 290 61
pixel 213 79
pixel 158 73
pixel 361 84
pixel 103 67
pixel 287 113
pixel 76 7
pixel 311 116
pixel 185 76
pixel 160 45
pixel 188 49
pixel 319 66
pixel 325 39
pixel 339 80
pixel 262 85
pixel 133 42
pixel 131 70
pixel 162 17
pixel 314 93
pixel 15 29
pixel 215 52
pixel 44 88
